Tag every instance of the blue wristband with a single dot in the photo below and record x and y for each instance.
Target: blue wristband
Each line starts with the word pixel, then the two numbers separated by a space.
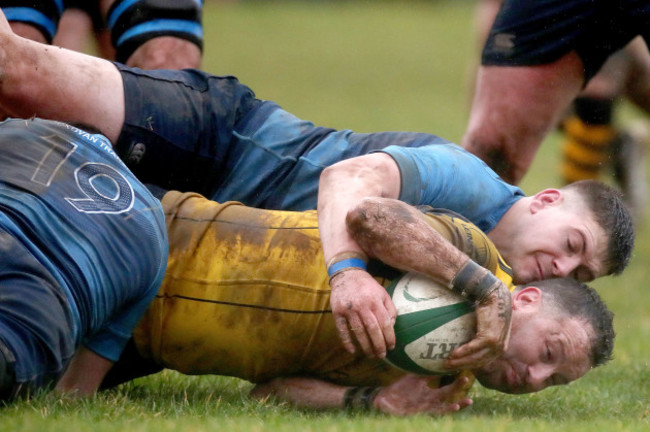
pixel 346 263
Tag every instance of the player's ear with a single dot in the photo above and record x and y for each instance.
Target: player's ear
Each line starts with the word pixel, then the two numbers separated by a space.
pixel 529 297
pixel 545 198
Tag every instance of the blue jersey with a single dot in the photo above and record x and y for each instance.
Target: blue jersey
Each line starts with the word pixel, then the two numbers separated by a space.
pixel 448 177
pixel 84 244
pixel 192 131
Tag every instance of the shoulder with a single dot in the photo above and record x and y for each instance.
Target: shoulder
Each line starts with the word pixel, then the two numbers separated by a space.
pixel 468 238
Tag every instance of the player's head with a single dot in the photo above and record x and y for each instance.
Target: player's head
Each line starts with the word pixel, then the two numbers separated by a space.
pixel 606 206
pixel 560 330
pixel 583 231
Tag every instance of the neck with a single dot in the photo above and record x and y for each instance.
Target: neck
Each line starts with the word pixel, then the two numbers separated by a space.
pixel 503 235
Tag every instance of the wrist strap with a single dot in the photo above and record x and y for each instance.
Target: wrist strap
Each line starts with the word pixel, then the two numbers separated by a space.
pixel 474 282
pixel 360 398
pixel 345 264
pixel 345 261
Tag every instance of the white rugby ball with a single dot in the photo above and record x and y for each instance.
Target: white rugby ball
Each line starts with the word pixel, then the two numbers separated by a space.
pixel 431 322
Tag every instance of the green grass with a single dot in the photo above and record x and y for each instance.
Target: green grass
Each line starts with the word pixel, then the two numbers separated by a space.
pixel 365 65
pixel 369 66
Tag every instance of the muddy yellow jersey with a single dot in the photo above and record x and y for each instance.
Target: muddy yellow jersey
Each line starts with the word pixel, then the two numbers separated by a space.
pixel 246 294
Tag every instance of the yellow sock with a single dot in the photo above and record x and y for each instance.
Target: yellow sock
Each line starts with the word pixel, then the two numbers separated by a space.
pixel 586 148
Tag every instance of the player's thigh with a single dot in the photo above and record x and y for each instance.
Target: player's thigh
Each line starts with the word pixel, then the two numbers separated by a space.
pixel 525 100
pixel 515 107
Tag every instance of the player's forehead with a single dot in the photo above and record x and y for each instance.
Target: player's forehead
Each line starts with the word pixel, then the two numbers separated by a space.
pixel 570 342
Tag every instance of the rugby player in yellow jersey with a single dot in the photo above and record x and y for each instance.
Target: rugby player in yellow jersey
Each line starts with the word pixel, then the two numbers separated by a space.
pixel 246 295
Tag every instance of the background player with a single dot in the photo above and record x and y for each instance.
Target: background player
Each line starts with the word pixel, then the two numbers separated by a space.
pixel 537 58
pixel 592 140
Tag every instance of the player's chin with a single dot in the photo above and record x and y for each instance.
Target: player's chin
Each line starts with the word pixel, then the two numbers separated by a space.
pixel 496 381
pixel 524 278
pixel 524 272
pixel 499 387
pixel 519 275
pixel 504 387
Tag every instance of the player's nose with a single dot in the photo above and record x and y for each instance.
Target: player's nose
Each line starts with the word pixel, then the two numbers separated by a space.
pixel 538 377
pixel 565 265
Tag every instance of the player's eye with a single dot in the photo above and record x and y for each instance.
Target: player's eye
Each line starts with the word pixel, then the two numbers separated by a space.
pixel 571 246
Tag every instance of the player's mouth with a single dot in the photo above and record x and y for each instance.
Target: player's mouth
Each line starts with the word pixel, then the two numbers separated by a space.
pixel 539 270
pixel 513 379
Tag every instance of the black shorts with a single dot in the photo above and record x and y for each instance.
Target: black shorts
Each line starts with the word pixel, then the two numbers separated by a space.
pixel 179 126
pixel 534 32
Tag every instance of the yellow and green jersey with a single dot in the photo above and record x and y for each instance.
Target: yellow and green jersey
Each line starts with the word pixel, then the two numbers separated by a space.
pixel 246 294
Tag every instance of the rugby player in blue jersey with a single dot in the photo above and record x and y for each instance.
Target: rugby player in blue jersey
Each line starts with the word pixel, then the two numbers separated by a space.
pixel 189 130
pixel 84 250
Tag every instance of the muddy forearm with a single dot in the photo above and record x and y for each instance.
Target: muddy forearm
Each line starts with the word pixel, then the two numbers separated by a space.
pixel 398 235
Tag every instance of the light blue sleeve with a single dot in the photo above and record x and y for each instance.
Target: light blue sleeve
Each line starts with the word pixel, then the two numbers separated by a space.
pixel 109 341
pixel 446 176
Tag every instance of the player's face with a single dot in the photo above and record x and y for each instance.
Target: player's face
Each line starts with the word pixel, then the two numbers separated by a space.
pixel 543 351
pixel 559 241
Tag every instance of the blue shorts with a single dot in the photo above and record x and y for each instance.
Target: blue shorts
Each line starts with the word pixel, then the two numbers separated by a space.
pixel 535 32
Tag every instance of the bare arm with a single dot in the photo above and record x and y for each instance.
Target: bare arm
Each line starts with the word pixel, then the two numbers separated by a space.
pixel 409 395
pixel 84 374
pixel 398 235
pixel 58 84
pixel 341 187
pixel 361 307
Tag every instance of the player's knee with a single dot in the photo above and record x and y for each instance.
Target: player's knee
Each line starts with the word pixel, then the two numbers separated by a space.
pixel 42 15
pixel 28 31
pixel 166 52
pixel 134 23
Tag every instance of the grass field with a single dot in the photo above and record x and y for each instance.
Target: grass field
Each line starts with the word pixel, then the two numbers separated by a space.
pixel 369 66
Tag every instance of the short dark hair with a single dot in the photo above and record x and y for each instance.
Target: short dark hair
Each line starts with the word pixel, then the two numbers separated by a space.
pixel 612 214
pixel 578 300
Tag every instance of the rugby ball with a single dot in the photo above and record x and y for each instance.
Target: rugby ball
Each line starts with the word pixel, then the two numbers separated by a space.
pixel 431 322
